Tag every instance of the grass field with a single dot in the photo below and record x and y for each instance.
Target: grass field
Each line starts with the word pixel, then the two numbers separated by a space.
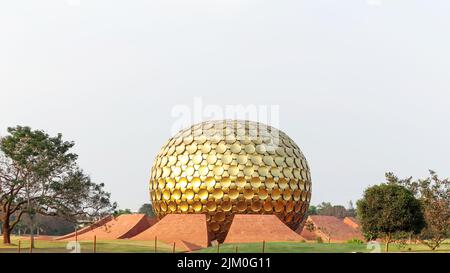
pixel 315 248
pixel 114 246
pixel 127 246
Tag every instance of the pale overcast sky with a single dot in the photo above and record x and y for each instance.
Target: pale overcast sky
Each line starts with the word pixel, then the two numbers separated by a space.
pixel 363 86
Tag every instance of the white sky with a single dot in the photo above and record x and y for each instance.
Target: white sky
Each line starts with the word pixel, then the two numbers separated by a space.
pixel 363 85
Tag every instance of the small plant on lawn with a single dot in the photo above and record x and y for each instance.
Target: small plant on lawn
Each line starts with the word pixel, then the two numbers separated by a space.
pixel 355 241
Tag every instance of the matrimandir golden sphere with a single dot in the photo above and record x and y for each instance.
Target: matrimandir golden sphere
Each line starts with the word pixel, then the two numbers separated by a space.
pixel 228 167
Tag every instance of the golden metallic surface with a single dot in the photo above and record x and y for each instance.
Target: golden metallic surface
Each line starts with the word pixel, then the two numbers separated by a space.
pixel 222 168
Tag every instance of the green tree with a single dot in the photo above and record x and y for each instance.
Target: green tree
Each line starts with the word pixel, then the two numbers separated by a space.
pixel 39 175
pixel 122 212
pixel 388 210
pixel 434 194
pixel 147 209
pixel 327 209
pixel 351 211
pixel 324 208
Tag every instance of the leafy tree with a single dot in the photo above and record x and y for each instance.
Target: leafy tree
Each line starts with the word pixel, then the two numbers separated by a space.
pixel 388 210
pixel 351 211
pixel 434 194
pixel 122 212
pixel 327 209
pixel 310 226
pixel 324 208
pixel 48 225
pixel 39 175
pixel 312 210
pixel 147 209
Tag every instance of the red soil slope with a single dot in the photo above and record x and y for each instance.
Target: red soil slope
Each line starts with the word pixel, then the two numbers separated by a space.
pixel 353 222
pixel 188 231
pixel 247 228
pixel 123 227
pixel 330 228
pixel 97 224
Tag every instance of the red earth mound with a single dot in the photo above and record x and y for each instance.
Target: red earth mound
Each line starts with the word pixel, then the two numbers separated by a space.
pixel 110 228
pixel 331 228
pixel 353 222
pixel 258 228
pixel 188 231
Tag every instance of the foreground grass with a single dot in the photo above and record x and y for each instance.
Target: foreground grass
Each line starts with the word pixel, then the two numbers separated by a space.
pixel 127 246
pixel 113 246
pixel 294 247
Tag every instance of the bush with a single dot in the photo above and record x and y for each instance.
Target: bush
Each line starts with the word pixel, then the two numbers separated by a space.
pixel 319 240
pixel 355 241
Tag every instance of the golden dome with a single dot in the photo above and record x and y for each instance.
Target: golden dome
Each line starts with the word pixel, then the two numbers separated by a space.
pixel 222 168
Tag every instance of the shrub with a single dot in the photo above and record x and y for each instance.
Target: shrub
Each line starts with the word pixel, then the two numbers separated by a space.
pixel 355 241
pixel 319 240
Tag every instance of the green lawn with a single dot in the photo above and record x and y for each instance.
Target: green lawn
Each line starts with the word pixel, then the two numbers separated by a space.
pixel 114 246
pixel 315 248
pixel 287 248
pixel 127 246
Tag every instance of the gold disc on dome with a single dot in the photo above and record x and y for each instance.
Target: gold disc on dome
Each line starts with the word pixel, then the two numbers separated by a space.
pixel 269 183
pixel 217 194
pixel 227 159
pixel 242 159
pixel 211 206
pixel 233 170
pixel 248 194
pixel 250 149
pixel 241 206
pixel 219 216
pixel 248 171
pixel 203 194
pixel 240 182
pixel 189 194
pixel 255 182
pixel 197 159
pixel 235 148
pixel 226 206
pixel 221 148
pixel 211 159
pixel 203 170
pixel 263 171
pixel 225 182
pixel 183 206
pixel 196 182
pixel 197 206
pixel 263 194
pixel 218 170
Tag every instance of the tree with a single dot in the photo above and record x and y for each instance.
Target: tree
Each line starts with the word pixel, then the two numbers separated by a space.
pixel 351 211
pixel 309 225
pixel 39 175
pixel 48 225
pixel 324 208
pixel 147 209
pixel 312 210
pixel 389 210
pixel 327 209
pixel 119 212
pixel 434 194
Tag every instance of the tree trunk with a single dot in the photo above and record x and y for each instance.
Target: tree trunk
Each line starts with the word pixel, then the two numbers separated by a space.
pixel 388 240
pixel 31 231
pixel 6 230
